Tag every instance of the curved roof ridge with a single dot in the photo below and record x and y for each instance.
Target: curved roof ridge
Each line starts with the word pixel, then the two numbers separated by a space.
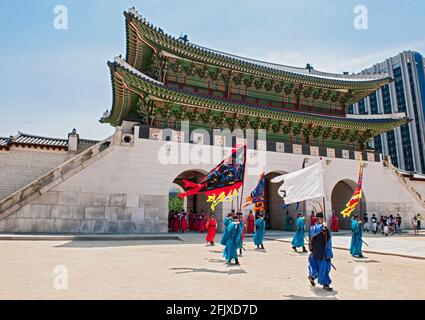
pixel 267 65
pixel 27 135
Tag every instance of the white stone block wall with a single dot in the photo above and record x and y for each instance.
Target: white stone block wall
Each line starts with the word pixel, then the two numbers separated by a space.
pixel 126 191
pixel 18 168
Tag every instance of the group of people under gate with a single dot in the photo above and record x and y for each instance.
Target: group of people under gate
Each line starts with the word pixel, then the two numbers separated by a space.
pixel 198 222
pixel 187 222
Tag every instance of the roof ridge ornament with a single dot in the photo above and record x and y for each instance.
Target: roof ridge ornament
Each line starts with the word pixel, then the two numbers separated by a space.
pixel 184 38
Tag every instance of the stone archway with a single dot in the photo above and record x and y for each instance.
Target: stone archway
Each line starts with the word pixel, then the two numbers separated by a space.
pixel 197 202
pixel 341 194
pixel 274 203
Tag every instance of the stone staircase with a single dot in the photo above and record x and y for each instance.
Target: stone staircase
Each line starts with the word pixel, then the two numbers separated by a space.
pixel 61 173
pixel 406 183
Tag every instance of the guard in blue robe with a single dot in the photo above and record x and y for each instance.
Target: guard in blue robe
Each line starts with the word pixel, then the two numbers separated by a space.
pixel 260 227
pixel 289 222
pixel 356 238
pixel 320 260
pixel 225 236
pixel 240 234
pixel 298 240
pixel 230 250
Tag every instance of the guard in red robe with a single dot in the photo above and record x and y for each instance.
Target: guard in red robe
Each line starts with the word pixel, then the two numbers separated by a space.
pixel 202 222
pixel 335 222
pixel 189 219
pixel 176 222
pixel 251 223
pixel 170 221
pixel 313 219
pixel 212 229
pixel 184 222
pixel 197 222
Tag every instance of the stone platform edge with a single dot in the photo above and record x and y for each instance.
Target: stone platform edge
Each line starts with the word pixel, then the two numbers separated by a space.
pixel 91 237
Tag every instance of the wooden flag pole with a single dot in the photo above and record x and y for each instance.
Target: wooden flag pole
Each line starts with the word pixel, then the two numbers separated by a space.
pixel 244 175
pixel 324 210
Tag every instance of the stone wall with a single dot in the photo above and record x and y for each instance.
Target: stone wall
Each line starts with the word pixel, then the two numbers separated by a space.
pixel 89 212
pixel 126 191
pixel 21 167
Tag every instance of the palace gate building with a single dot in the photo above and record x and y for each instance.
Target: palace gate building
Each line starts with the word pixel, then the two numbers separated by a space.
pixel 171 101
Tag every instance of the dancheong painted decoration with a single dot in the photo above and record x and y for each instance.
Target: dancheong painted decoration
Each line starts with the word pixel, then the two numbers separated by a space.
pixel 164 80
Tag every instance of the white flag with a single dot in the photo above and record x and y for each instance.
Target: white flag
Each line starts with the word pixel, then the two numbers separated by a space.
pixel 302 185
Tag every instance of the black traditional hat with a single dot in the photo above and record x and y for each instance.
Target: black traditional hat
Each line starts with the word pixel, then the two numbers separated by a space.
pixel 319 215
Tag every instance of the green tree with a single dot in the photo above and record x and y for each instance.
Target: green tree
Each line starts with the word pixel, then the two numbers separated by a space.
pixel 175 203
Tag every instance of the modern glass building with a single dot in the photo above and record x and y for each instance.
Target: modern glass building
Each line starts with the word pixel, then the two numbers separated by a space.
pixel 404 144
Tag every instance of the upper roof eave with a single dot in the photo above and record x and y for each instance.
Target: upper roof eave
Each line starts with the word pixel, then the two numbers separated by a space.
pixel 374 81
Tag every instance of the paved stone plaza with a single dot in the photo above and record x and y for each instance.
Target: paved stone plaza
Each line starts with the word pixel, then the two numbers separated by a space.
pixel 189 269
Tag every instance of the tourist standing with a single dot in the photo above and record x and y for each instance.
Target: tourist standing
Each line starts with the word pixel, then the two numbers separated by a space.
pixel 260 227
pixel 356 238
pixel 398 224
pixel 212 229
pixel 366 222
pixel 381 225
pixel 298 240
pixel 418 222
pixel 386 226
pixel 320 260
pixel 374 221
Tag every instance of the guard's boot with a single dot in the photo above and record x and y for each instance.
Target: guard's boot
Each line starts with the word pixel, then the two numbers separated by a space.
pixel 295 249
pixel 327 288
pixel 262 246
pixel 305 250
pixel 237 262
pixel 311 281
pixel 240 251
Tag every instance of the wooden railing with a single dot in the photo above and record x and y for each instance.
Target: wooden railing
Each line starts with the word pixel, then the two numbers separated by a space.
pixel 43 184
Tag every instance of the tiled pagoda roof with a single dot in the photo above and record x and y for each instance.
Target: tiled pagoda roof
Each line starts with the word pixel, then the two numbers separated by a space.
pixel 154 35
pixel 125 76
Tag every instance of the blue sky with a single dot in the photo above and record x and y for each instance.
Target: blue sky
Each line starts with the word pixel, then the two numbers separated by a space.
pixel 53 81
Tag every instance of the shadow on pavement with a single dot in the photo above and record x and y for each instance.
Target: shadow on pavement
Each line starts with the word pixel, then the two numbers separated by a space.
pixel 366 261
pixel 113 244
pixel 205 270
pixel 216 260
pixel 295 297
